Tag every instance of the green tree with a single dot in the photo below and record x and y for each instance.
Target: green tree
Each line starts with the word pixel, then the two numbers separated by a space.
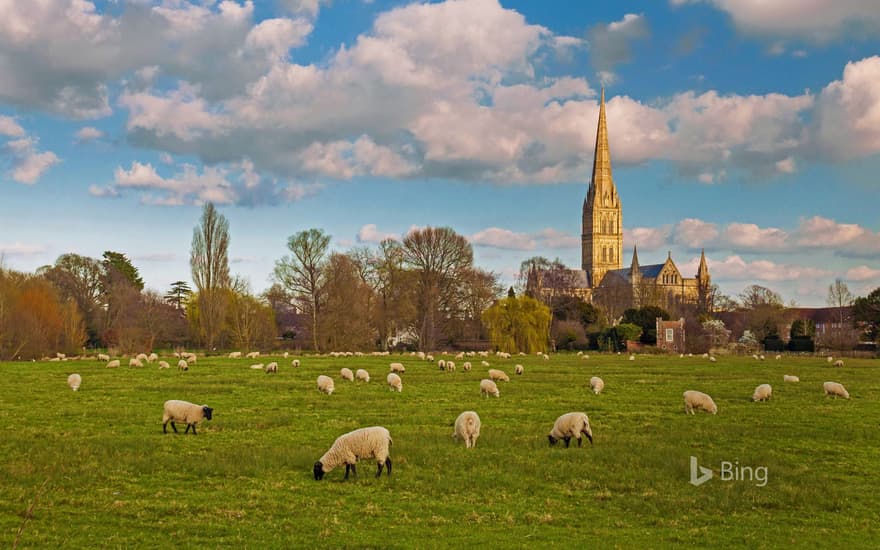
pixel 209 261
pixel 866 314
pixel 178 294
pixel 646 318
pixel 518 324
pixel 119 262
pixel 302 273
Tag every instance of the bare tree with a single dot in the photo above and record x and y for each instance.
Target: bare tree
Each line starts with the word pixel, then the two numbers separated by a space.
pixel 209 260
pixel 395 288
pixel 841 300
pixel 302 273
pixel 346 317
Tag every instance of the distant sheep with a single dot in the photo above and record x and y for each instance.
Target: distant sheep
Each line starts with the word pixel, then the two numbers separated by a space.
pixel 253 355
pixel 374 442
pixel 361 374
pixel 484 363
pixel 164 365
pixel 394 382
pixel 272 368
pixel 518 369
pixel 257 366
pixel 466 367
pixel 573 424
pixel 152 358
pixel 632 357
pixel 830 359
pixel 182 365
pixel 74 381
pixel 450 366
pixel 545 356
pixel 113 364
pixel 694 400
pixel 346 374
pixel 762 393
pixel 442 364
pixel 496 375
pixel 295 363
pixel 325 384
pixel 184 411
pixel 397 367
pixel 135 362
pixel 836 389
pixel 778 357
pixel 103 357
pixel 597 385
pixel 235 355
pixel 488 387
pixel 790 378
pixel 838 363
pixel 712 359
pixel 142 357
pixel 467 427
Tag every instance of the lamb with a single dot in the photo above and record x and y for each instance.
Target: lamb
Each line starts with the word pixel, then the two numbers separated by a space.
pixel 573 424
pixel 325 384
pixel 597 385
pixel 442 364
pixel 496 375
pixel 838 363
pixel 836 389
pixel 450 366
pixel 295 363
pixel 134 362
pixel 488 387
pixel 374 442
pixel 182 365
pixel 257 366
pixel 394 382
pixel 142 357
pixel 466 366
pixel 397 367
pixel 361 374
pixel 518 369
pixel 790 378
pixel 467 427
pixel 164 365
pixel 152 357
pixel 712 359
pixel 762 393
pixel 272 367
pixel 184 411
pixel 113 364
pixel 103 357
pixel 253 355
pixel 698 400
pixel 484 363
pixel 74 381
pixel 235 355
pixel 346 374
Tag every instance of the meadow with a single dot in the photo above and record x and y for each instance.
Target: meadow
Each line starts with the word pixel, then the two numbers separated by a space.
pixel 93 469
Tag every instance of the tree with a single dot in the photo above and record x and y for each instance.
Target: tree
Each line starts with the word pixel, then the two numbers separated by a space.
pixel 716 332
pixel 646 318
pixel 866 313
pixel 119 262
pixel 518 324
pixel 764 312
pixel 177 295
pixel 250 322
pixel 395 310
pixel 615 338
pixel 841 300
pixel 346 318
pixel 301 274
pixel 80 278
pixel 209 261
pixel 439 257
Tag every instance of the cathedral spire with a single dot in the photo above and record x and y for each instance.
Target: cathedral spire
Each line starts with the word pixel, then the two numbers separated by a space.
pixel 635 264
pixel 635 271
pixel 601 154
pixel 703 270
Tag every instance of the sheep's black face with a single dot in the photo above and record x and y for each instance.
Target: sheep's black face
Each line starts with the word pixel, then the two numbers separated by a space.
pixel 208 411
pixel 552 440
pixel 319 471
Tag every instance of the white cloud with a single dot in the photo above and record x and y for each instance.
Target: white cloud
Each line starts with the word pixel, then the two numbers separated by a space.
pixel 847 119
pixel 611 44
pixel 496 237
pixel 847 239
pixel 786 166
pixel 749 236
pixel 369 233
pixel 88 133
pixel 694 233
pixel 107 192
pixel 647 238
pixel 735 268
pixel 553 238
pixel 157 257
pixel 19 248
pixel 28 163
pixel 9 127
pixel 863 273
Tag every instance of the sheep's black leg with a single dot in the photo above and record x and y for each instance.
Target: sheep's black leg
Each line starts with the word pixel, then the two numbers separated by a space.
pixel 567 442
pixel 388 466
pixel 174 427
pixel 186 431
pixel 354 470
pixel 165 428
pixel 379 470
pixel 194 429
pixel 347 469
pixel 580 442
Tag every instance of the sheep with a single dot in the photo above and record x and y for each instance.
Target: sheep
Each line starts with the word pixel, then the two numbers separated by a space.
pixel 103 357
pixel 184 411
pixel 585 356
pixel 235 355
pixel 164 365
pixel 74 381
pixel 142 357
pixel 285 354
pixel 838 363
pixel 295 363
pixel 545 356
pixel 712 359
pixel 573 424
pixel 496 375
pixel 182 365
pixel 257 366
pixel 191 358
pixel 467 427
pixel 374 442
pixel 152 358
pixel 790 378
pixel 361 374
pixel 836 389
pixel 518 369
pixel 397 367
pixel 113 364
pixel 442 364
pixel 778 357
pixel 762 393
pixel 830 359
pixel 632 357
pixel 325 384
pixel 450 366
pixel 253 354
pixel 272 367
pixel 484 363
pixel 761 357
pixel 346 374
pixel 467 366
pixel 488 387
pixel 597 385
pixel 698 400
pixel 135 362
pixel 394 382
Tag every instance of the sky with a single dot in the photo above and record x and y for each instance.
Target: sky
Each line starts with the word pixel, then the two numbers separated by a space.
pixel 748 129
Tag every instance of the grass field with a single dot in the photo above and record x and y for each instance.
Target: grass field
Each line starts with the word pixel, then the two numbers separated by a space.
pixel 103 474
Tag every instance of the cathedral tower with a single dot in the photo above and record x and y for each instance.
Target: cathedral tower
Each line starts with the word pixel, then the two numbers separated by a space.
pixel 602 230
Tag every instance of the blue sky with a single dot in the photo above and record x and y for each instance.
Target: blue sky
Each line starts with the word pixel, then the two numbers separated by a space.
pixel 752 131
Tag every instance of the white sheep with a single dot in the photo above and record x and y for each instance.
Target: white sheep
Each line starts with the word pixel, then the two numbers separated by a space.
pixel 325 384
pixel 830 359
pixel 142 357
pixel 429 358
pixel 838 363
pixel 135 362
pixel 113 364
pixel 545 356
pixel 361 374
pixel 191 358
pixel 467 427
pixel 164 365
pixel 597 385
pixel 836 389
pixel 374 442
pixel 253 354
pixel 632 357
pixel 152 358
pixel 184 411
pixel 712 359
pixel 762 393
pixel 450 366
pixel 778 357
pixel 182 365
pixel 257 366
pixel 272 367
pixel 698 400
pixel 585 356
pixel 488 387
pixel 346 374
pixel 484 363
pixel 103 357
pixel 74 381
pixel 235 355
pixel 496 374
pixel 397 367
pixel 285 354
pixel 394 382
pixel 295 363
pixel 518 369
pixel 442 364
pixel 573 424
pixel 790 378
pixel 467 366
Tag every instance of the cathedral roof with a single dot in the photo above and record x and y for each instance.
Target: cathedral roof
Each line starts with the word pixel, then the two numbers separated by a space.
pixel 647 271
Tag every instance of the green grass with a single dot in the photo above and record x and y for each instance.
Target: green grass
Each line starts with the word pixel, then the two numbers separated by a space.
pixel 114 480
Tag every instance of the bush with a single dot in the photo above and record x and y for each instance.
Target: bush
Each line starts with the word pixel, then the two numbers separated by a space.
pixel 801 343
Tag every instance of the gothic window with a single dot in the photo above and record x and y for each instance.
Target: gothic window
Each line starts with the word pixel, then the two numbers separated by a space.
pixel 610 254
pixel 604 253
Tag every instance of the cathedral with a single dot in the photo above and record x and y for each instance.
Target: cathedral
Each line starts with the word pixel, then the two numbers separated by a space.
pixel 602 275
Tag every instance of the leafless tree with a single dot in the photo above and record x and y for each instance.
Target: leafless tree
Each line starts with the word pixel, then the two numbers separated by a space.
pixel 841 300
pixel 302 275
pixel 209 260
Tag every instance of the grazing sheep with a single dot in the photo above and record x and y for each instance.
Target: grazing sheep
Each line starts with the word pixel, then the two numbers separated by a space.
pixel 546 357
pixel 253 355
pixel 496 374
pixel 74 381
pixel 182 365
pixel 113 364
pixel 790 378
pixel 394 382
pixel 712 359
pixel 164 365
pixel 374 442
pixel 838 363
pixel 694 400
pixel 257 366
pixel 235 355
pixel 361 374
pixel 295 363
pixel 488 387
pixel 518 369
pixel 397 367
pixel 152 357
pixel 836 389
pixel 184 411
pixel 272 367
pixel 778 357
pixel 285 354
pixel 467 366
pixel 442 364
pixel 484 363
pixel 597 385
pixel 325 384
pixel 135 362
pixel 830 359
pixel 142 357
pixel 346 374
pixel 762 393
pixel 585 356
pixel 450 366
pixel 467 427
pixel 103 357
pixel 632 357
pixel 191 358
pixel 573 424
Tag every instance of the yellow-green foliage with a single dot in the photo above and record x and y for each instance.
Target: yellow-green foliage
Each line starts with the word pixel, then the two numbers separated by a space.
pixel 518 324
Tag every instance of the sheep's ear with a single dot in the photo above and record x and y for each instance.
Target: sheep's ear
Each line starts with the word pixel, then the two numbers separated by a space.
pixel 319 471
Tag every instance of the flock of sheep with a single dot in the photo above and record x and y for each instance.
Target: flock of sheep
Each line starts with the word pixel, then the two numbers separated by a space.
pixel 375 442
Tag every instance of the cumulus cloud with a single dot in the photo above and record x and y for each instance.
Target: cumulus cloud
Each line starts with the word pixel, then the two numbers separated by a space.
pixel 370 233
pixel 735 268
pixel 88 133
pixel 846 239
pixel 9 127
pixel 495 237
pixel 611 44
pixel 553 238
pixel 863 273
pixel 27 162
pixel 847 121
pixel 647 238
pixel 751 237
pixel 694 233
